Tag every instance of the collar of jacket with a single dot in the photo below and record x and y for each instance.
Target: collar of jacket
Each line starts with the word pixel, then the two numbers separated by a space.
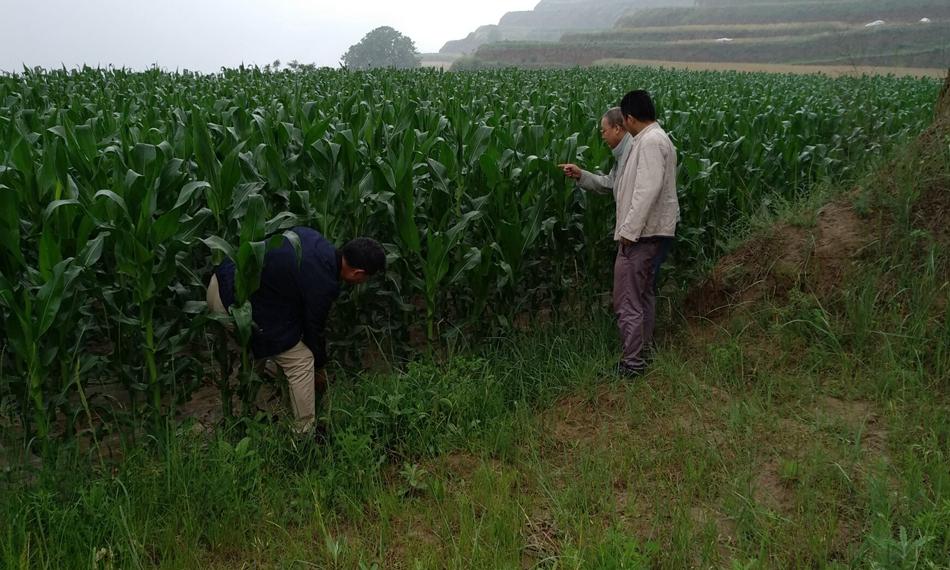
pixel 652 126
pixel 622 147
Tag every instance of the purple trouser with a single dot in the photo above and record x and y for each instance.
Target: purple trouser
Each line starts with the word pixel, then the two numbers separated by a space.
pixel 635 298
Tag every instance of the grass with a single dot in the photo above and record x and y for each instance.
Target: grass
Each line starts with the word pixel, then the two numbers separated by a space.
pixel 811 432
pixel 762 443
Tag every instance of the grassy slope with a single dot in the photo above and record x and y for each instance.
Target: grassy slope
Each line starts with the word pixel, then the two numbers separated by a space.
pixel 807 427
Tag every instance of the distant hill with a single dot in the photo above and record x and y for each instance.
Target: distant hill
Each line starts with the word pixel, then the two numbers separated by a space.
pixel 763 11
pixel 552 18
pixel 911 33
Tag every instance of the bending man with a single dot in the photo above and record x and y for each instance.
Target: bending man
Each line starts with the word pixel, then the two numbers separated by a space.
pixel 291 306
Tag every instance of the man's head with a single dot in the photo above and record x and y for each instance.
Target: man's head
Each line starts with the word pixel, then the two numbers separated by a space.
pixel 611 127
pixel 638 111
pixel 361 259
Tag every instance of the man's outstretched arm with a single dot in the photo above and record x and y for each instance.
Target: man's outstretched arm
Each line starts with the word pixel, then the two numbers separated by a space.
pixel 599 183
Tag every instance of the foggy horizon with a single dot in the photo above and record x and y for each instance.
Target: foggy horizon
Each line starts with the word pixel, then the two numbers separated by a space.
pixel 206 36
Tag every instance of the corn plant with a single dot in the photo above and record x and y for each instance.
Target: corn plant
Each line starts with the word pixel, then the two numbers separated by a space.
pixel 248 258
pixel 120 190
pixel 42 307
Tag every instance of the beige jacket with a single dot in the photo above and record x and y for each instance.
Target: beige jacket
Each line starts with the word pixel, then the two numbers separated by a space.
pixel 645 191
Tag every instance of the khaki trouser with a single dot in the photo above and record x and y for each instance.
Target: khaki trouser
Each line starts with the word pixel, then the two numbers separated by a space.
pixel 297 364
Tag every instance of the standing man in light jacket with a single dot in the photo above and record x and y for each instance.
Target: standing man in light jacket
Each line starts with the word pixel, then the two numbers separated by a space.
pixel 614 133
pixel 647 214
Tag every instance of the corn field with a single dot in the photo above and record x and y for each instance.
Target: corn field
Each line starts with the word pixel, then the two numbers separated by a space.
pixel 119 191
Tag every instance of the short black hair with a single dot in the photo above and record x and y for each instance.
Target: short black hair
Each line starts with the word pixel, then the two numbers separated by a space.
pixel 366 254
pixel 639 105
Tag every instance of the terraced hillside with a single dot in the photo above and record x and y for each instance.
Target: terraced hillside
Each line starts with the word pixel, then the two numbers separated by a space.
pixel 914 33
pixel 764 11
pixel 550 19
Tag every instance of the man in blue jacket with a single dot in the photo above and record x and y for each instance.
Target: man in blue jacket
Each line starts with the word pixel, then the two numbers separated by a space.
pixel 291 307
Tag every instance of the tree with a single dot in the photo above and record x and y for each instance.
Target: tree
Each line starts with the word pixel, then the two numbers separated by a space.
pixel 383 47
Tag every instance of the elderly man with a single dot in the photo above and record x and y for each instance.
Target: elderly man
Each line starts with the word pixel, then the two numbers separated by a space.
pixel 615 135
pixel 291 307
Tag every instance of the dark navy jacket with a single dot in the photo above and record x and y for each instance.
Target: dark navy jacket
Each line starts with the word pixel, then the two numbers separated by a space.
pixel 293 301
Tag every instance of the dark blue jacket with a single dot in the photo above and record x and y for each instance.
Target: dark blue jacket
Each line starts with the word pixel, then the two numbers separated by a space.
pixel 293 301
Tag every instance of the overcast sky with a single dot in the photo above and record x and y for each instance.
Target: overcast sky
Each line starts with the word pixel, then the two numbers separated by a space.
pixel 209 34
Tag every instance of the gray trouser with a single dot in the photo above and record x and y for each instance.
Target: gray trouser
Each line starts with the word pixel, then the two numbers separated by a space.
pixel 635 298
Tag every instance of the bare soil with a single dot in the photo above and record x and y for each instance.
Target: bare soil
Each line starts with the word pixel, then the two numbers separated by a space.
pixel 769 489
pixel 768 266
pixel 578 419
pixel 859 417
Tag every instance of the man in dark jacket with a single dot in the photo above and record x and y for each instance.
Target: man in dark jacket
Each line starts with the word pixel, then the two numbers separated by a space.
pixel 291 307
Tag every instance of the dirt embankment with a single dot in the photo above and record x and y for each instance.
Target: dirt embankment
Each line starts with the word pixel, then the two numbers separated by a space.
pixel 943 103
pixel 784 258
pixel 816 257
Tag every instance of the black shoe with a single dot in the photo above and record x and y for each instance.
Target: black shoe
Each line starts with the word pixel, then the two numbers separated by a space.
pixel 628 372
